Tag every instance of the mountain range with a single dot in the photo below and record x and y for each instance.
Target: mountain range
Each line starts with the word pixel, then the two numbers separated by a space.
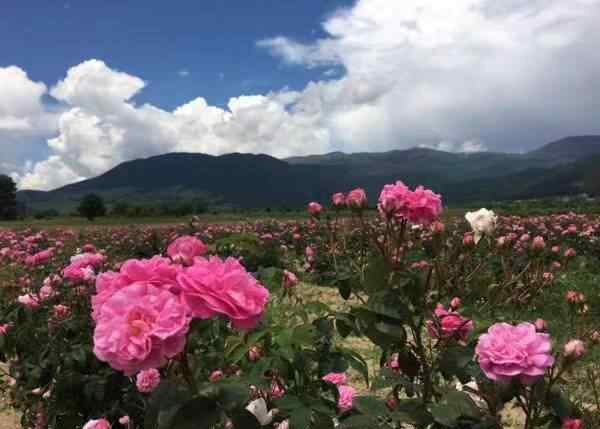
pixel 564 167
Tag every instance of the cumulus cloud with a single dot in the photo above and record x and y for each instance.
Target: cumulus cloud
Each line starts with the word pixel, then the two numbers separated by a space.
pixel 466 75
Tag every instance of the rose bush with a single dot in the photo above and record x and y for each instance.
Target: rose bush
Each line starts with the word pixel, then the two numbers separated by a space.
pixel 210 326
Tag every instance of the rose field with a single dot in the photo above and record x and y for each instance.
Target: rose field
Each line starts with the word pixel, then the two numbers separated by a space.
pixel 402 317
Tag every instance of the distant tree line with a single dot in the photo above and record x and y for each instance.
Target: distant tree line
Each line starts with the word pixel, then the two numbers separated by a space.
pixel 8 198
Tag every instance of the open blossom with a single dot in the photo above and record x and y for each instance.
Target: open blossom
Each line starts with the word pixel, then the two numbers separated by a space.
pixel 140 327
pixel 82 266
pixel 393 199
pixel 258 408
pixel 356 199
pixel 314 208
pixel 185 249
pixel 424 206
pixel 157 271
pixel 337 378
pixel 4 328
pixel 40 257
pixel 508 351
pixel 449 324
pixel 147 380
pixel 482 222
pixel 346 397
pixel 97 424
pixel 223 287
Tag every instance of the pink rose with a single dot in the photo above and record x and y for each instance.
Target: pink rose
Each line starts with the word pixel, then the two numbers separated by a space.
pixel 449 324
pixel 97 424
pixel 147 380
pixel 357 199
pixel 185 249
pixel 223 287
pixel 337 378
pixel 393 199
pixel 314 208
pixel 424 206
pixel 346 397
pixel 157 271
pixel 289 279
pixel 338 199
pixel 216 375
pixel 508 351
pixel 570 423
pixel 139 327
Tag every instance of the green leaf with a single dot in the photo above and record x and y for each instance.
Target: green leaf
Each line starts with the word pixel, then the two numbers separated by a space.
pixel 199 413
pixel 377 274
pixel 288 403
pixel 244 419
pixel 370 405
pixel 359 421
pixel 452 407
pixel 300 418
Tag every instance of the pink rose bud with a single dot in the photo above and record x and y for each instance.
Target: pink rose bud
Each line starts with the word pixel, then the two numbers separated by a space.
pixel 468 239
pixel 337 378
pixel 254 353
pixel 595 337
pixel 574 349
pixel 538 243
pixel 124 420
pixel 555 249
pixel 570 253
pixel 357 199
pixel 540 325
pixel 315 208
pixel 289 279
pixel 455 303
pixel 338 199
pixel 569 423
pixel 216 375
pixel 97 424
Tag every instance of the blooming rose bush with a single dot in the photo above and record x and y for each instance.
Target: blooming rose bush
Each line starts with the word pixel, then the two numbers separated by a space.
pixel 210 326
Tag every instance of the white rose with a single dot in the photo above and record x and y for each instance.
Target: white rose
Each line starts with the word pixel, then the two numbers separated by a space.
pixel 483 221
pixel 258 407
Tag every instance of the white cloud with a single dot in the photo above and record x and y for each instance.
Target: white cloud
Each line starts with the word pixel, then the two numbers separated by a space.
pixel 183 73
pixel 466 75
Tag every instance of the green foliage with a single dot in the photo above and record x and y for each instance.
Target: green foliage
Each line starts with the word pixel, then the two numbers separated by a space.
pixel 91 207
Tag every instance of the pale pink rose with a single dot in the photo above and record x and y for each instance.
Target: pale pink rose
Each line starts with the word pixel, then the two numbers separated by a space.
pixel 214 287
pixel 570 253
pixel 97 424
pixel 574 349
pixel 337 378
pixel 185 249
pixel 61 311
pixel 393 200
pixel 140 327
pixel 449 324
pixel 346 398
pixel 356 199
pixel 124 420
pixel 29 300
pixel 314 208
pixel 254 353
pixel 147 380
pixel 455 303
pixel 338 199
pixel 507 351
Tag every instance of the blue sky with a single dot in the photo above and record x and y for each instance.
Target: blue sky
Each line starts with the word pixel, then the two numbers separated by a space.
pixel 212 40
pixel 86 85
